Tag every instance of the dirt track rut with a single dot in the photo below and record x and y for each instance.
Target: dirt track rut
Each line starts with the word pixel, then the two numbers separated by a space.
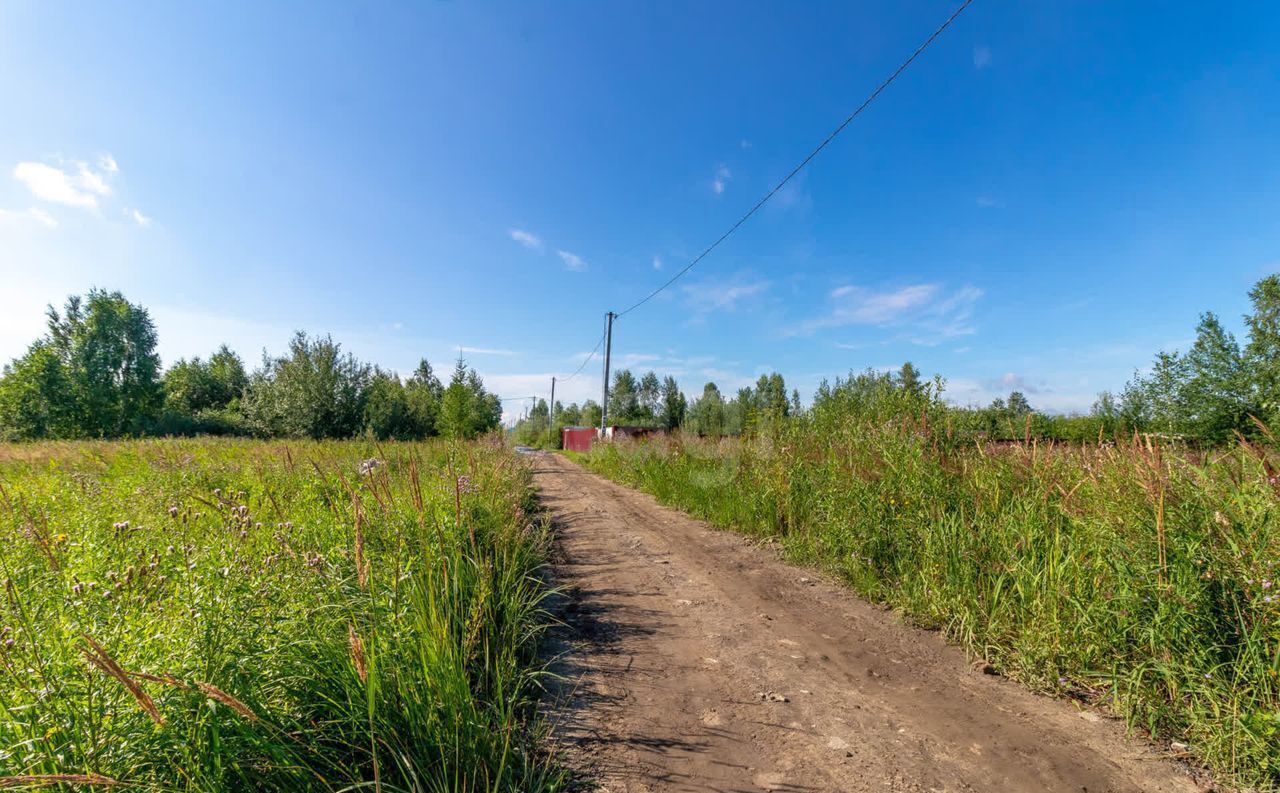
pixel 695 660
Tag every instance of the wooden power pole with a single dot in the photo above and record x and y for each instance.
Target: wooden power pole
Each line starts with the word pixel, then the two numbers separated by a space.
pixel 608 350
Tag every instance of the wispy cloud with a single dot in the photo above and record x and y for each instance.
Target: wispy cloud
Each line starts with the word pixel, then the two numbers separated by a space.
pixel 57 186
pixel 925 313
pixel 1011 381
pixel 527 239
pixel 657 262
pixel 707 296
pixel 107 164
pixel 981 391
pixel 981 57
pixel 572 261
pixel 484 351
pixel 987 201
pixel 723 175
pixel 33 215
pixel 144 221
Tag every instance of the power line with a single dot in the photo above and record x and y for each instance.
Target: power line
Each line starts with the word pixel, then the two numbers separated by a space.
pixel 583 365
pixel 879 89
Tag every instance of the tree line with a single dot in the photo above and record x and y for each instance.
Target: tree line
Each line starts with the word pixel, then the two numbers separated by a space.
pixel 648 401
pixel 96 374
pixel 1216 390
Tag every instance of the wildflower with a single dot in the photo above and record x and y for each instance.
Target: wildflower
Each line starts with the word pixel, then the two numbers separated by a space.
pixel 173 512
pixel 1266 584
pixel 1268 598
pixel 61 538
pixel 465 485
pixel 217 491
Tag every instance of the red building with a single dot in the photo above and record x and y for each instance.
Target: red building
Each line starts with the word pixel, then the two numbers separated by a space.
pixel 577 439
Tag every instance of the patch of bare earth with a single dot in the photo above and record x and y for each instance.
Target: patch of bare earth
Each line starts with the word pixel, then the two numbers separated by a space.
pixel 692 659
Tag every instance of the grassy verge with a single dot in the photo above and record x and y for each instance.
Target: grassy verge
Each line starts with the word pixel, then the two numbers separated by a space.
pixel 233 615
pixel 1126 574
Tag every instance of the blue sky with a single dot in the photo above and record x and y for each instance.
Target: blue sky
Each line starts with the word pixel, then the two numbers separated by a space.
pixel 1053 192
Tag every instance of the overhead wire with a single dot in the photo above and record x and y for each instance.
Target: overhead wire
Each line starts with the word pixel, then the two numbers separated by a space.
pixel 843 124
pixel 786 179
pixel 585 361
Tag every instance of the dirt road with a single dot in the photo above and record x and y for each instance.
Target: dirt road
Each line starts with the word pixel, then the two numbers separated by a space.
pixel 695 660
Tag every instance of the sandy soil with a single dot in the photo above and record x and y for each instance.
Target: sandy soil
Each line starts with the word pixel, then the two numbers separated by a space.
pixel 693 659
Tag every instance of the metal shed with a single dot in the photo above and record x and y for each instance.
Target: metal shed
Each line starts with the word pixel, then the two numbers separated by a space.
pixel 577 439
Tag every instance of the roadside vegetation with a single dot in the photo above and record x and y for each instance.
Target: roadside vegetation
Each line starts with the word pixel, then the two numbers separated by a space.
pixel 247 615
pixel 1138 568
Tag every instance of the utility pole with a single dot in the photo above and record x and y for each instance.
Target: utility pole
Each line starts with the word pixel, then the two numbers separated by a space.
pixel 608 349
pixel 551 414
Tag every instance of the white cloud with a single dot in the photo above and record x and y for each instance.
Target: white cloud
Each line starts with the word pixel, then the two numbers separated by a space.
pixel 142 220
pixel 708 296
pixel 77 185
pixel 32 215
pixel 657 262
pixel 926 312
pixel 980 392
pixel 485 351
pixel 572 261
pixel 988 202
pixel 90 181
pixel 981 57
pixel 723 175
pixel 528 240
pixel 54 185
pixel 860 306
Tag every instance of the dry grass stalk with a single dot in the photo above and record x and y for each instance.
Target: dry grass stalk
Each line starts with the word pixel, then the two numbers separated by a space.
pixel 97 656
pixel 362 569
pixel 357 653
pixel 46 780
pixel 213 692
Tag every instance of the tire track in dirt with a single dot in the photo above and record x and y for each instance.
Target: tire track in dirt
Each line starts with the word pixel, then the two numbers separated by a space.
pixel 692 659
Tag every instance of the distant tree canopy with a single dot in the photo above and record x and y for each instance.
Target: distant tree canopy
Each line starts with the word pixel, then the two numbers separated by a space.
pixel 96 374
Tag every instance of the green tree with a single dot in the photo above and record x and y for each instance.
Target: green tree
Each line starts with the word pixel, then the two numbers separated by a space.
pixel 908 379
pixel 312 392
pixel 1216 392
pixel 1262 352
pixel 387 410
pixel 706 415
pixel 1166 393
pixel 674 404
pixel 624 398
pixel 591 414
pixel 193 386
pixel 570 416
pixel 34 396
pixel 1018 405
pixel 466 409
pixel 423 392
pixel 107 347
pixel 649 394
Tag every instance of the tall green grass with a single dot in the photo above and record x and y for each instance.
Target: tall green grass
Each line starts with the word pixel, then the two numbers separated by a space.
pixel 233 615
pixel 1123 572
